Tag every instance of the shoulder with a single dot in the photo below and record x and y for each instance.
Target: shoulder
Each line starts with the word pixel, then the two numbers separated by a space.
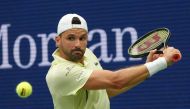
pixel 89 53
pixel 56 70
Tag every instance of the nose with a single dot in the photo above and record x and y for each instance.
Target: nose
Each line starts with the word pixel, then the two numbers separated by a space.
pixel 77 43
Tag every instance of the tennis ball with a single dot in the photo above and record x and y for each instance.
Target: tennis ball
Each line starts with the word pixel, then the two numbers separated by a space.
pixel 24 89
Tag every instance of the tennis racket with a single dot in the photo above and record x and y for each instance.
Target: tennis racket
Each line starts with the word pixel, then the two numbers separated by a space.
pixel 155 39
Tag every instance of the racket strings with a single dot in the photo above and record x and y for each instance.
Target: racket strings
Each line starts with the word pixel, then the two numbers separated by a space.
pixel 162 34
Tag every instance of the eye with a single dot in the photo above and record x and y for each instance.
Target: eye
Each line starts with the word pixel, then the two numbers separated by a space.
pixel 83 38
pixel 71 38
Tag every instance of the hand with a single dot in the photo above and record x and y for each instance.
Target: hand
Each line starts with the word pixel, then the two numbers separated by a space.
pixel 172 55
pixel 153 56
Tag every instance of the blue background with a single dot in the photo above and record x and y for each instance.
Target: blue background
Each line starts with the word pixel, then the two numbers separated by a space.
pixel 168 89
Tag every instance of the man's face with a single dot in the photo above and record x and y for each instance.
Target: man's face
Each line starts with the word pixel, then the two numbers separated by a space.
pixel 72 44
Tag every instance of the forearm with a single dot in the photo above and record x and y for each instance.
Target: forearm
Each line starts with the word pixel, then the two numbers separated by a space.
pixel 131 77
pixel 127 75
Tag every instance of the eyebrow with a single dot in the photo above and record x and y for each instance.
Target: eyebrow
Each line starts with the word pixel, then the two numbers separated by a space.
pixel 83 34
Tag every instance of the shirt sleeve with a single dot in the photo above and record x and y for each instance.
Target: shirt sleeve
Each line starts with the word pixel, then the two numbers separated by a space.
pixel 67 80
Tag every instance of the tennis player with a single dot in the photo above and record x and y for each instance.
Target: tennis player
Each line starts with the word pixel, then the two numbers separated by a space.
pixel 76 79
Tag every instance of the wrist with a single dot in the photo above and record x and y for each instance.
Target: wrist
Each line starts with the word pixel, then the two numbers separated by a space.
pixel 156 66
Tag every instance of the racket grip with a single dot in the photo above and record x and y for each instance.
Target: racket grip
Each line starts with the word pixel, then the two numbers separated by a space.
pixel 159 52
pixel 176 57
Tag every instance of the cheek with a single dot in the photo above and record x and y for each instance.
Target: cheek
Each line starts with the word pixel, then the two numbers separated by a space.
pixel 68 45
pixel 84 44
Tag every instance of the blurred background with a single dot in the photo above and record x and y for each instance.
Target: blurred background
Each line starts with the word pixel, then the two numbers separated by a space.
pixel 27 29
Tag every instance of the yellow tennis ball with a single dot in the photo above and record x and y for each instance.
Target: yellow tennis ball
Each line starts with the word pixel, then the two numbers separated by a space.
pixel 24 89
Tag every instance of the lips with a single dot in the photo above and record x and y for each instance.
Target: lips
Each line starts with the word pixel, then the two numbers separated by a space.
pixel 77 52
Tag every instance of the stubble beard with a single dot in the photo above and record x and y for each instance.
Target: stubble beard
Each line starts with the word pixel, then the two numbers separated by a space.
pixel 76 55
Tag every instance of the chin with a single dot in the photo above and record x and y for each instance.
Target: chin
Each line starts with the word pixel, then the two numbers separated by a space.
pixel 77 58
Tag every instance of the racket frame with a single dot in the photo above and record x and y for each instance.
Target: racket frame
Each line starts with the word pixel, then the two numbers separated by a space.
pixel 145 53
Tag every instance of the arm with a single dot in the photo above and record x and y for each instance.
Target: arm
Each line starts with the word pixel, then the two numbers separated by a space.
pixel 113 92
pixel 124 79
pixel 134 82
pixel 105 79
pixel 127 78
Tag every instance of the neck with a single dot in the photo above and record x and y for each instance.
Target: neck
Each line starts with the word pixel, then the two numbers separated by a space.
pixel 82 61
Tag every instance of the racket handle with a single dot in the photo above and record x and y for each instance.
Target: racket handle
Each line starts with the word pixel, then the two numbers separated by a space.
pixel 159 52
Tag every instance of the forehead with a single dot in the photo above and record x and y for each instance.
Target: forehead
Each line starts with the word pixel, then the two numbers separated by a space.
pixel 77 31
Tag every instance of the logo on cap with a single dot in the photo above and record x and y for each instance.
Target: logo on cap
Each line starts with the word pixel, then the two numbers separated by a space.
pixel 76 20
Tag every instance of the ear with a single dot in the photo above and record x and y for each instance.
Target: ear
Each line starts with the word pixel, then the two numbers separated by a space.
pixel 57 40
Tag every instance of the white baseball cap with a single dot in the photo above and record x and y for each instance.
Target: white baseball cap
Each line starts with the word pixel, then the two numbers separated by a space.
pixel 70 21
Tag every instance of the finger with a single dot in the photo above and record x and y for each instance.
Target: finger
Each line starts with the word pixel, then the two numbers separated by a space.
pixel 152 52
pixel 161 55
pixel 155 57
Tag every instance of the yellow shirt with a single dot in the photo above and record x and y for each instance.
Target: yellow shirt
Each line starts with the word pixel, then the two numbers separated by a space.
pixel 65 80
